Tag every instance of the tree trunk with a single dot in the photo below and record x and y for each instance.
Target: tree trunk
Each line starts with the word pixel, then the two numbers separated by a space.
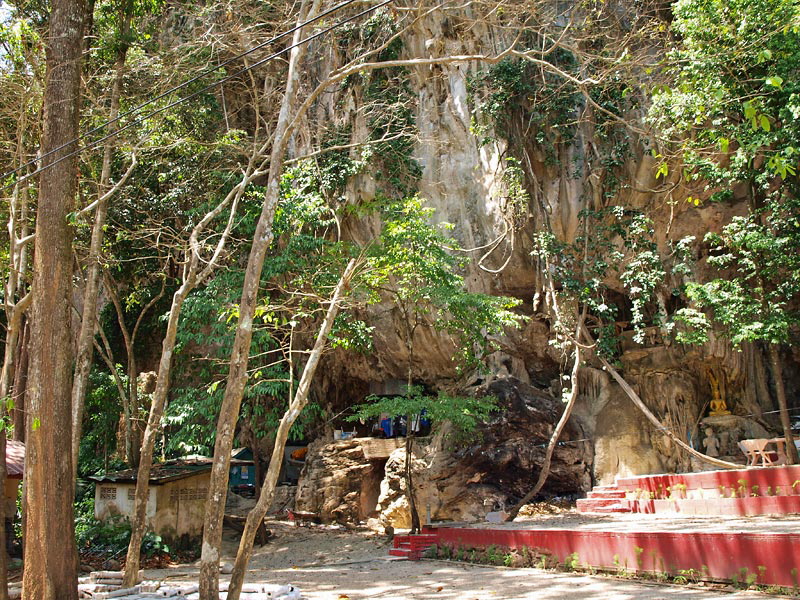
pixel 3 518
pixel 551 446
pixel 20 384
pixel 50 557
pixel 12 345
pixel 153 428
pixel 780 393
pixel 85 348
pixel 191 279
pixel 408 466
pixel 131 407
pixel 408 472
pixel 237 375
pixel 12 349
pixel 256 516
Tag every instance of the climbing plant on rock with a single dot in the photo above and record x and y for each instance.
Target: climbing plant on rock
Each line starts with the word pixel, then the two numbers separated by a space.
pixel 412 269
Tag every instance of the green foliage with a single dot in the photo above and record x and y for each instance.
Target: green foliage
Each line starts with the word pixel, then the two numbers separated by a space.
pixel 107 538
pixel 733 107
pixel 617 243
pixel 514 93
pixel 111 537
pixel 755 301
pixel 413 268
pixel 389 105
pixel 464 413
pixel 524 102
pixel 516 197
pixel 120 24
pixel 100 419
pixel 303 263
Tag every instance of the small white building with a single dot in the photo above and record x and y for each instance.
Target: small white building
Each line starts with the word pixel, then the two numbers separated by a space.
pixel 176 502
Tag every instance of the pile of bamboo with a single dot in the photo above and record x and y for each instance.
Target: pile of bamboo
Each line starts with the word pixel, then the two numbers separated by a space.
pixel 107 585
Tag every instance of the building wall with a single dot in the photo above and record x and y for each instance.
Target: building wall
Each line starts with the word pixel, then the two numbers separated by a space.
pixel 116 499
pixel 174 509
pixel 181 507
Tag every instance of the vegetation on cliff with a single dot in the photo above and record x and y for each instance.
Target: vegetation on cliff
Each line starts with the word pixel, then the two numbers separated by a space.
pixel 606 167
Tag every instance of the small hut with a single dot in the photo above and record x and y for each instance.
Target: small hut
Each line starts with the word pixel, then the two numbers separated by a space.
pixel 176 502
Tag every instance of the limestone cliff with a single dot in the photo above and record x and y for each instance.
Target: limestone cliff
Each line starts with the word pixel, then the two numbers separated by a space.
pixel 462 176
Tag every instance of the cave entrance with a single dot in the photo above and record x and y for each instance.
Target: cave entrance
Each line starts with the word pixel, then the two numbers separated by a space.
pixel 371 488
pixel 376 452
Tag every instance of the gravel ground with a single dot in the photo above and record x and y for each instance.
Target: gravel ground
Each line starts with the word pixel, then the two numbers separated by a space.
pixel 330 563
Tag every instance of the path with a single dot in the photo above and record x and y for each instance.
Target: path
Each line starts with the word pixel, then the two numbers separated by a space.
pixel 339 564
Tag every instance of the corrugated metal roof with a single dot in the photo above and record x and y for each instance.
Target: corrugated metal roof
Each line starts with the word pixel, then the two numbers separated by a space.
pixel 160 473
pixel 15 459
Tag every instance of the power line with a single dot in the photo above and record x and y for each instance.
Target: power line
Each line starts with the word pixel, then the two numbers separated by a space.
pixel 176 88
pixel 190 96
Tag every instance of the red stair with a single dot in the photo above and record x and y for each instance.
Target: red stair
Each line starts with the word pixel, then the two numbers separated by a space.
pixel 606 491
pixel 604 499
pixel 411 547
pixel 742 492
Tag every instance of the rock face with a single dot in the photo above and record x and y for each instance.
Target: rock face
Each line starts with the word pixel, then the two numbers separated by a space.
pixel 455 478
pixel 338 483
pixel 462 177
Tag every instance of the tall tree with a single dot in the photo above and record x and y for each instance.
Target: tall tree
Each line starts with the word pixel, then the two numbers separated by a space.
pixel 729 116
pixel 413 270
pixel 237 376
pixel 83 354
pixel 193 276
pixel 298 402
pixel 50 554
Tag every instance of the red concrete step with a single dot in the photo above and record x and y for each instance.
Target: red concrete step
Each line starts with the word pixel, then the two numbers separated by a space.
pixel 415 541
pixel 603 505
pixel 412 546
pixel 606 493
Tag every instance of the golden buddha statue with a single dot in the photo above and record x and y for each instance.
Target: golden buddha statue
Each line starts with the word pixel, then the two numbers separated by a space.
pixel 718 406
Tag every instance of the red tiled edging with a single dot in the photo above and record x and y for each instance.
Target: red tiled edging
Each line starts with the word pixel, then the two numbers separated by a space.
pixel 774 559
pixel 764 481
pixel 726 507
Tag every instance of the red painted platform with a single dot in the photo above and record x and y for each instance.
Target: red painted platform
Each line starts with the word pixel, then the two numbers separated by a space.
pixel 741 492
pixel 770 558
pixel 668 544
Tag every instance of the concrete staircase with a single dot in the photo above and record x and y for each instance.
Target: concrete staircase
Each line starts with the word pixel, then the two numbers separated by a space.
pixel 742 492
pixel 411 547
pixel 604 499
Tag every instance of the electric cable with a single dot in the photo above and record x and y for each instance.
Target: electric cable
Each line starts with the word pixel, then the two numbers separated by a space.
pixel 190 96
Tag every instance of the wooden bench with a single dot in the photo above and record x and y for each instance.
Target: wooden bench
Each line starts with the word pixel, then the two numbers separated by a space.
pixel 756 451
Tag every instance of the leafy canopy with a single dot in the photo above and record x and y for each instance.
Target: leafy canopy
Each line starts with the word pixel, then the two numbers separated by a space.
pixel 413 266
pixel 462 412
pixel 733 108
pixel 757 299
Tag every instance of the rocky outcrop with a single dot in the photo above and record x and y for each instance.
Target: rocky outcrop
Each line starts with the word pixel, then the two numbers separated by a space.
pixel 462 177
pixel 456 477
pixel 338 483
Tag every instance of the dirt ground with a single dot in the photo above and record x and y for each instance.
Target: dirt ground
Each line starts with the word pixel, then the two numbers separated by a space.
pixel 334 563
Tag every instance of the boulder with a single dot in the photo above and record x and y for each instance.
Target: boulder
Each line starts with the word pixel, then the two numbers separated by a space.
pixel 338 482
pixel 457 480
